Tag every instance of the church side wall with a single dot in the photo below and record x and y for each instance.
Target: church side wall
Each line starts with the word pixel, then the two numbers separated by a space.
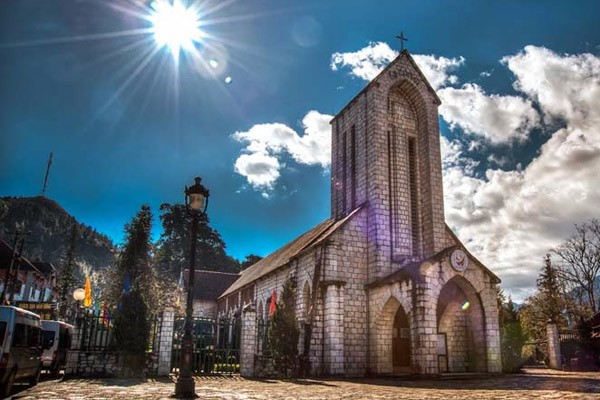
pixel 347 267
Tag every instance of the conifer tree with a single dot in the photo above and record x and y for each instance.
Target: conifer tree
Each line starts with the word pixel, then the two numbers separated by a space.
pixel 551 297
pixel 174 245
pixel 136 278
pixel 283 331
pixel 67 274
pixel 512 337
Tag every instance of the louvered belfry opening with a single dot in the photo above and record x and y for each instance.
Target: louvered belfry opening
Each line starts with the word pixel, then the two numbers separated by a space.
pixel 414 197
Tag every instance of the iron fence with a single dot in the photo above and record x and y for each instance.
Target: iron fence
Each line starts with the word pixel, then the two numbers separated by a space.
pixel 216 346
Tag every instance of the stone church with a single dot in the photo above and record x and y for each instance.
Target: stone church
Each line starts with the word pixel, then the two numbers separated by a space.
pixel 383 286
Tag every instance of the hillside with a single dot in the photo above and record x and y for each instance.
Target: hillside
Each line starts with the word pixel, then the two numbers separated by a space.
pixel 50 226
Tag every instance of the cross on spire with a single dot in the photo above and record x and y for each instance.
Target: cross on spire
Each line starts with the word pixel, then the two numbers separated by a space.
pixel 402 40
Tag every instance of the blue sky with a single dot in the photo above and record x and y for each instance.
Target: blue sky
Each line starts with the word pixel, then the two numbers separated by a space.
pixel 519 81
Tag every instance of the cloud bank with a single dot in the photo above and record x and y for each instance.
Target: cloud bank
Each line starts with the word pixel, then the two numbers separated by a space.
pixel 267 143
pixel 508 218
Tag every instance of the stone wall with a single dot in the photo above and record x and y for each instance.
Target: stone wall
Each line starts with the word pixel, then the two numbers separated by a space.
pixel 82 363
pixel 91 364
pixel 205 308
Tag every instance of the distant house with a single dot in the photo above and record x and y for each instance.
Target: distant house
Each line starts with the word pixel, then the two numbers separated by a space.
pixel 208 286
pixel 33 282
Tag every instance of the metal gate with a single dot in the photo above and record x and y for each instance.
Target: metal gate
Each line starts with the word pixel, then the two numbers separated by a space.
pixel 216 346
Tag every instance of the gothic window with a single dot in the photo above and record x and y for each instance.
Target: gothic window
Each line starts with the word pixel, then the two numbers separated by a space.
pixel 414 198
pixel 344 172
pixel 353 167
pixel 306 298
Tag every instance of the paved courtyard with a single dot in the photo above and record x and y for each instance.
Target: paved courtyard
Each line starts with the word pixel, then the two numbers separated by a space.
pixel 534 384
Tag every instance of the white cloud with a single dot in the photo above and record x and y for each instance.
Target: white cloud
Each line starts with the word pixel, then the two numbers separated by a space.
pixel 266 144
pixel 369 61
pixel 510 219
pixel 500 119
pixel 565 86
pixel 261 170
pixel 437 69
pixel 365 63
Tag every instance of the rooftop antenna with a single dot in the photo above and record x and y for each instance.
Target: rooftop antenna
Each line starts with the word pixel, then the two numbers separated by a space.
pixel 46 177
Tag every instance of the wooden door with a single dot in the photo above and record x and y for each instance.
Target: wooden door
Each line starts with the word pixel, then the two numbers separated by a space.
pixel 401 340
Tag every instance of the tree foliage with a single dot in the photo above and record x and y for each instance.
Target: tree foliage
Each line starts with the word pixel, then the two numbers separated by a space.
pixel 135 279
pixel 69 272
pixel 173 246
pixel 579 265
pixel 549 302
pixel 283 332
pixel 512 337
pixel 249 261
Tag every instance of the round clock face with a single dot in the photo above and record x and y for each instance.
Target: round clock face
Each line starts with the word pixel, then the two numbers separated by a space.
pixel 459 260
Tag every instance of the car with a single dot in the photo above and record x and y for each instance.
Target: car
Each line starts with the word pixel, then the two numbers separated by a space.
pixel 56 340
pixel 20 347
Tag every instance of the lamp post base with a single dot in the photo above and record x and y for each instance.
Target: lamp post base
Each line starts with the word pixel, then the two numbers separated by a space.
pixel 185 388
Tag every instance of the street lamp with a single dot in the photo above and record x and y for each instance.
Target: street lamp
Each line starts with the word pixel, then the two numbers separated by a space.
pixel 196 202
pixel 78 295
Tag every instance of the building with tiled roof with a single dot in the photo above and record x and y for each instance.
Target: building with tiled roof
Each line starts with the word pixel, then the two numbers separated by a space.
pixel 383 286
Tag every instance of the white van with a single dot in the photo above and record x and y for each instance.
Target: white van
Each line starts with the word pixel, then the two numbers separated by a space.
pixel 56 340
pixel 20 347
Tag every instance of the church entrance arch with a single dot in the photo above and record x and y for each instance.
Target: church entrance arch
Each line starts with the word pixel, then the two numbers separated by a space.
pixel 461 328
pixel 401 342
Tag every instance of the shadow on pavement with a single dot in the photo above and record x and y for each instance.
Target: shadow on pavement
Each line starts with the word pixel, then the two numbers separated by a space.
pixel 514 382
pixel 20 387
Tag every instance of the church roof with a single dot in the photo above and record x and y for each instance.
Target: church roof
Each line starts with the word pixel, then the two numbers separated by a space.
pixel 208 285
pixel 411 270
pixel 403 53
pixel 285 254
pixel 459 243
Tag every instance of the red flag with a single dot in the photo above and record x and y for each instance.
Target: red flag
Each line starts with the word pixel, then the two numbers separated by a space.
pixel 273 301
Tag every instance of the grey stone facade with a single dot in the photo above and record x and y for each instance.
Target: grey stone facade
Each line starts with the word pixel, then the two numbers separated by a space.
pixel 375 281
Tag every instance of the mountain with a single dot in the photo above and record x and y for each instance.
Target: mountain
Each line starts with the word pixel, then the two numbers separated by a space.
pixel 50 227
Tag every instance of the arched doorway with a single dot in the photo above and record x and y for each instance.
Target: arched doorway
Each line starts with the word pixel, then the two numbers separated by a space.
pixel 461 328
pixel 401 342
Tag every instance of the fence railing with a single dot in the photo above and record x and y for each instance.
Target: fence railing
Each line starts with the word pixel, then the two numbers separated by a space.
pixel 96 331
pixel 216 346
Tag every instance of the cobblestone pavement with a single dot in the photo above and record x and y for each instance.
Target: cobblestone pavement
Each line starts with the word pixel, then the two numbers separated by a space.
pixel 534 384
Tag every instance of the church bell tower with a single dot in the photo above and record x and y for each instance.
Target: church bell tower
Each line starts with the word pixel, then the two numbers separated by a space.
pixel 386 158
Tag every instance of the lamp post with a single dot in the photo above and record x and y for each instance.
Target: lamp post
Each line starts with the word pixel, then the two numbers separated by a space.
pixel 78 295
pixel 196 202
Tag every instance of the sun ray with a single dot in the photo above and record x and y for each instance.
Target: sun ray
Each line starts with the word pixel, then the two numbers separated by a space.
pixel 81 38
pixel 146 59
pixel 130 47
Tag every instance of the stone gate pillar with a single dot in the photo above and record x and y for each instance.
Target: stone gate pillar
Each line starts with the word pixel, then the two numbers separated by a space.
pixel 165 342
pixel 553 345
pixel 248 341
pixel 334 328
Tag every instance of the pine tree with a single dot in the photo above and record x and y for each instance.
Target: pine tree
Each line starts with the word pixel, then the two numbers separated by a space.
pixel 283 331
pixel 67 275
pixel 512 337
pixel 174 245
pixel 135 278
pixel 551 298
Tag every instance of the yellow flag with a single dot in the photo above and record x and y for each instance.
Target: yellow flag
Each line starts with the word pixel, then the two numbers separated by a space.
pixel 87 300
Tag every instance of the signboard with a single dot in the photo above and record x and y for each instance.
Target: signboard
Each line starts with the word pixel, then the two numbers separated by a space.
pixel 44 310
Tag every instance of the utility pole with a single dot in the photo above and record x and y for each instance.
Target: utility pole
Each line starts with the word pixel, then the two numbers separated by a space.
pixel 47 173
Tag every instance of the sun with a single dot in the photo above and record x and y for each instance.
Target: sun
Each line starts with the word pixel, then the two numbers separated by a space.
pixel 175 26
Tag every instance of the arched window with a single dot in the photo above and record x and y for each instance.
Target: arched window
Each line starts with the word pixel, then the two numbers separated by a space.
pixel 306 301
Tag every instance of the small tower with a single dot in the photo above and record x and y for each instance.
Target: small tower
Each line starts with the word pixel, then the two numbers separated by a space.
pixel 386 155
